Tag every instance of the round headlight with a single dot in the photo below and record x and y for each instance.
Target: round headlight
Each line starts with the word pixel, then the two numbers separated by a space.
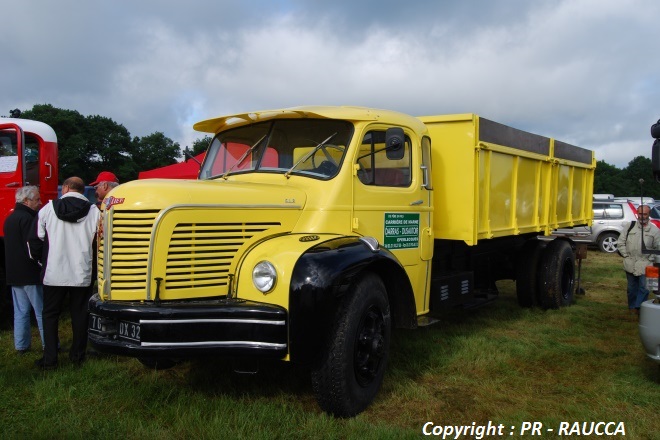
pixel 264 276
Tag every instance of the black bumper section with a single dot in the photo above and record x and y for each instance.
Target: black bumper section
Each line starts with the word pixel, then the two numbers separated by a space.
pixel 185 329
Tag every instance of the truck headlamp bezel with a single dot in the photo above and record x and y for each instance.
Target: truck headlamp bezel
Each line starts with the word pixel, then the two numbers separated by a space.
pixel 264 276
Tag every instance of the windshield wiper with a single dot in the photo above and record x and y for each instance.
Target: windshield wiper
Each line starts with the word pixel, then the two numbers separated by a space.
pixel 250 150
pixel 310 154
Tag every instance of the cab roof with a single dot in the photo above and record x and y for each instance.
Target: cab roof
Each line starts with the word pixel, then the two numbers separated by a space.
pixel 42 130
pixel 348 113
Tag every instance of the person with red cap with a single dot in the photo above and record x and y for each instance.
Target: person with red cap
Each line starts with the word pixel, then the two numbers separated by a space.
pixel 103 184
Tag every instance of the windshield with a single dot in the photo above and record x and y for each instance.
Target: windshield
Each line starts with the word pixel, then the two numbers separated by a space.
pixel 304 147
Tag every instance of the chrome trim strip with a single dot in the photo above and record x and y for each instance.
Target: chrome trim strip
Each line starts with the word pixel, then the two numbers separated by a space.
pixel 194 321
pixel 108 217
pixel 253 344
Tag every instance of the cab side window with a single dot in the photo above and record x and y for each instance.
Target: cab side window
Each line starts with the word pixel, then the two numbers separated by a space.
pixel 377 167
pixel 8 152
pixel 31 160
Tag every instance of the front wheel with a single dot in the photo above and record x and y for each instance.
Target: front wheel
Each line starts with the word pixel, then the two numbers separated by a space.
pixel 607 242
pixel 354 363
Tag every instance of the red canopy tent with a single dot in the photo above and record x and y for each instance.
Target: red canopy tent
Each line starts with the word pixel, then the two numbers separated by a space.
pixel 187 169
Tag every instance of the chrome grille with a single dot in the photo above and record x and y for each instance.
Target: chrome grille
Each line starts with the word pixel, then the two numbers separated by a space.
pixel 131 231
pixel 199 254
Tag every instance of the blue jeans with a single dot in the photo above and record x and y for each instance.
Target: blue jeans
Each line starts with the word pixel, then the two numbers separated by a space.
pixel 637 291
pixel 24 298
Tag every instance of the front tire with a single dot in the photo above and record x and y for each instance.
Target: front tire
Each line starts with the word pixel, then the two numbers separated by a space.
pixel 557 275
pixel 607 242
pixel 354 363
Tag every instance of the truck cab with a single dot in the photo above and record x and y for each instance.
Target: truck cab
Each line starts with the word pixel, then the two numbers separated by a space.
pixel 28 156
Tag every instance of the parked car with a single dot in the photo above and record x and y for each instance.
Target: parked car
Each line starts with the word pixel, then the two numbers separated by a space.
pixel 636 201
pixel 608 223
pixel 654 214
pixel 649 328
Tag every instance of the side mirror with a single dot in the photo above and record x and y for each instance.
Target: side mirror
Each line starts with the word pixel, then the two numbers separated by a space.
pixel 655 159
pixel 655 130
pixel 655 150
pixel 395 141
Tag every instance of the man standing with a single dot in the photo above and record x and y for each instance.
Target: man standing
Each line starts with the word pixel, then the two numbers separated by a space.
pixel 23 272
pixel 629 246
pixel 68 225
pixel 103 184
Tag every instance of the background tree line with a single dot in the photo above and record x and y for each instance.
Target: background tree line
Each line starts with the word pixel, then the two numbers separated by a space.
pixel 624 182
pixel 90 144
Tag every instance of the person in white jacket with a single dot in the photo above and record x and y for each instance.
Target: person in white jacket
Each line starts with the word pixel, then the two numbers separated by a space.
pixel 67 228
pixel 629 246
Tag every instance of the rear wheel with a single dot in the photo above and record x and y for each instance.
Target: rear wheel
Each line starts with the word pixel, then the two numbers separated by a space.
pixel 556 275
pixel 607 242
pixel 527 272
pixel 356 357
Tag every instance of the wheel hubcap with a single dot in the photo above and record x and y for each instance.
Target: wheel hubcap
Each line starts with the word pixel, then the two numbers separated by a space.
pixel 609 244
pixel 370 346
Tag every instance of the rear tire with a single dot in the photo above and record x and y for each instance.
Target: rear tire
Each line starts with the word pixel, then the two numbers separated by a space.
pixel 354 363
pixel 607 242
pixel 527 271
pixel 556 275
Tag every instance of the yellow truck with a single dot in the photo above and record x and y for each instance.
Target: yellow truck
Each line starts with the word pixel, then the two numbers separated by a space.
pixel 312 232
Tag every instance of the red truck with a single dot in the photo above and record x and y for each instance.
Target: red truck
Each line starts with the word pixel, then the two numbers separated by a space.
pixel 28 156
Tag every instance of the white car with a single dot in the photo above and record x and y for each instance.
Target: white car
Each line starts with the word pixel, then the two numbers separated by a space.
pixel 649 328
pixel 610 217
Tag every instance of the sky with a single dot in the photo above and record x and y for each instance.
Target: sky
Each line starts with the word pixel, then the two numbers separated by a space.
pixel 586 72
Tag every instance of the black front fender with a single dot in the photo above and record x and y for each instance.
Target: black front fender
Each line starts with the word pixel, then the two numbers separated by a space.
pixel 321 278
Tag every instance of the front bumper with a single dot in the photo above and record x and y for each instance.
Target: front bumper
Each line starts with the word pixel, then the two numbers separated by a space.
pixel 649 329
pixel 186 329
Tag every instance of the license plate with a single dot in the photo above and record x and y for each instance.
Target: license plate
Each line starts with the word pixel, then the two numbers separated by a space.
pixel 129 330
pixel 95 324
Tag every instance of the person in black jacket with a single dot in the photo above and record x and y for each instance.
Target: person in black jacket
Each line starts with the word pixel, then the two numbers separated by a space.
pixel 23 273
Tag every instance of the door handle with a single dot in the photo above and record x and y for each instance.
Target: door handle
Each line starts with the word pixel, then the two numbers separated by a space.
pixel 416 202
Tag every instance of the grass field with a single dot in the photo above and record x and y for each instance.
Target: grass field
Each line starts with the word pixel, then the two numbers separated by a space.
pixel 500 363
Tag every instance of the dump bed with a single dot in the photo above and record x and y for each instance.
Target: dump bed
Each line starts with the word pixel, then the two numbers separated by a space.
pixel 491 180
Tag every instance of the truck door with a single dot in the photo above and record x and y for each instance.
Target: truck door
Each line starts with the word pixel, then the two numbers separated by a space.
pixel 391 205
pixel 12 141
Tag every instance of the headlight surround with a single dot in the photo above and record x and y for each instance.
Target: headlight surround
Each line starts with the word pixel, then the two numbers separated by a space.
pixel 264 276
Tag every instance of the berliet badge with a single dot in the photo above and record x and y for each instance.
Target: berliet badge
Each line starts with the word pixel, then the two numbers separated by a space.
pixel 289 200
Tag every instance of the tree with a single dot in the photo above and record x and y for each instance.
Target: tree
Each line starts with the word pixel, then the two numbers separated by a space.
pixel 108 143
pixel 640 168
pixel 155 150
pixel 88 145
pixel 199 146
pixel 69 126
pixel 608 179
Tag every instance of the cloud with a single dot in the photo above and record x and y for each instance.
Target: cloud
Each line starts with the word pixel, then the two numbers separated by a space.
pixel 583 71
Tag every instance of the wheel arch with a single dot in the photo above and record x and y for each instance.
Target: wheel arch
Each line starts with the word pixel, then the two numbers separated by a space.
pixel 321 278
